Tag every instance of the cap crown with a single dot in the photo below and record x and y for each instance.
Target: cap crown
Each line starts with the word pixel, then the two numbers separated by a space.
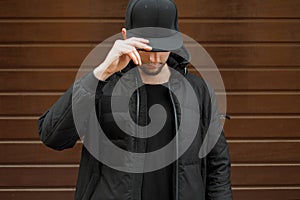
pixel 151 13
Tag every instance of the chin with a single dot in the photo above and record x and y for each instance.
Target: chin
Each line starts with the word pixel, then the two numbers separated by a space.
pixel 152 71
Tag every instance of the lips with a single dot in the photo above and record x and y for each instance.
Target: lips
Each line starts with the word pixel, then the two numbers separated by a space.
pixel 153 66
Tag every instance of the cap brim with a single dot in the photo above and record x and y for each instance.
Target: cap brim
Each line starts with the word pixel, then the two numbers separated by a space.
pixel 161 40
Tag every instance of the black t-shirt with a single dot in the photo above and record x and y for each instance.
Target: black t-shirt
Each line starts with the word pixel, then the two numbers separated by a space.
pixel 158 184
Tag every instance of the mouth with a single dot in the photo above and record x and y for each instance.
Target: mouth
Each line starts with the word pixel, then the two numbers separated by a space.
pixel 151 66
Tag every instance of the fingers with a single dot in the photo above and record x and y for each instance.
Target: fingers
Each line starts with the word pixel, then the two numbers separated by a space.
pixel 130 46
pixel 138 57
pixel 139 43
pixel 133 54
pixel 138 39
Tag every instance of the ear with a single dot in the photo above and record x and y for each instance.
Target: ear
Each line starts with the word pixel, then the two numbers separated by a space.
pixel 124 33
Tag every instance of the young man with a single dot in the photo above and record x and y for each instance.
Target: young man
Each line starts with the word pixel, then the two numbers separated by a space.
pixel 189 177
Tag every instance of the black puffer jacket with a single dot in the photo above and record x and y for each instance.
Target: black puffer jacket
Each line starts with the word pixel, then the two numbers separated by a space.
pixel 197 179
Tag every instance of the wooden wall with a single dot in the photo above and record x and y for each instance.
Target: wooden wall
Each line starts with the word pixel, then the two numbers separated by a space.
pixel 255 43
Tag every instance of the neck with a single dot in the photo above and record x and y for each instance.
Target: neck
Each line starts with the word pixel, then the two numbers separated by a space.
pixel 159 78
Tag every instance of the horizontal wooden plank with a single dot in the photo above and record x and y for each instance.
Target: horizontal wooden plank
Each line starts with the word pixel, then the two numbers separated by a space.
pixel 38 176
pixel 30 153
pixel 58 31
pixel 191 8
pixel 235 128
pixel 241 152
pixel 261 80
pixel 266 193
pixel 263 103
pixel 265 152
pixel 254 55
pixel 63 56
pixel 234 80
pixel 240 194
pixel 265 176
pixel 19 129
pixel 238 9
pixel 28 104
pixel 262 128
pixel 39 81
pixel 43 57
pixel 60 176
pixel 30 31
pixel 37 195
pixel 66 8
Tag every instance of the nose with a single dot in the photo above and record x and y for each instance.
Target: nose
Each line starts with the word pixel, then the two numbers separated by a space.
pixel 154 57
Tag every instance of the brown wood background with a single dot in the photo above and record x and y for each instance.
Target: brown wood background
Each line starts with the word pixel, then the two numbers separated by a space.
pixel 255 43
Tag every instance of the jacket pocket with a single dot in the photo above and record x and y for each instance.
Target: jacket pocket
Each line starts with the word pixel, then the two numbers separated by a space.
pixel 91 187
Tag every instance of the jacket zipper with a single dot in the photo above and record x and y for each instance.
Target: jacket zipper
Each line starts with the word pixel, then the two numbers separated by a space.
pixel 176 130
pixel 137 109
pixel 137 125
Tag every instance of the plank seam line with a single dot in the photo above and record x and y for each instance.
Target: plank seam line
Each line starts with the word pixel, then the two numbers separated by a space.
pixel 267 188
pixel 192 69
pixel 265 116
pixel 77 165
pixel 73 189
pixel 121 20
pixel 265 164
pixel 20 117
pixel 40 166
pixel 23 117
pixel 218 93
pixel 206 68
pixel 263 141
pixel 92 45
pixel 36 189
pixel 51 70
pixel 228 140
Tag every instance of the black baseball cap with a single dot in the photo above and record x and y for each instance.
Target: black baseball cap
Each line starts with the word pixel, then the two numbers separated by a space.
pixel 156 21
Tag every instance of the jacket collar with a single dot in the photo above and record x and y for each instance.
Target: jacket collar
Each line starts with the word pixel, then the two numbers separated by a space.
pixel 131 78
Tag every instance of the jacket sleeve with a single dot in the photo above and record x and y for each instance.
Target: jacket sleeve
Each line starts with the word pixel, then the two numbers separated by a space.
pixel 218 160
pixel 56 126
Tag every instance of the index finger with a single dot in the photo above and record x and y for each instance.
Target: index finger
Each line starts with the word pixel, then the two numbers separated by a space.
pixel 139 45
pixel 139 39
